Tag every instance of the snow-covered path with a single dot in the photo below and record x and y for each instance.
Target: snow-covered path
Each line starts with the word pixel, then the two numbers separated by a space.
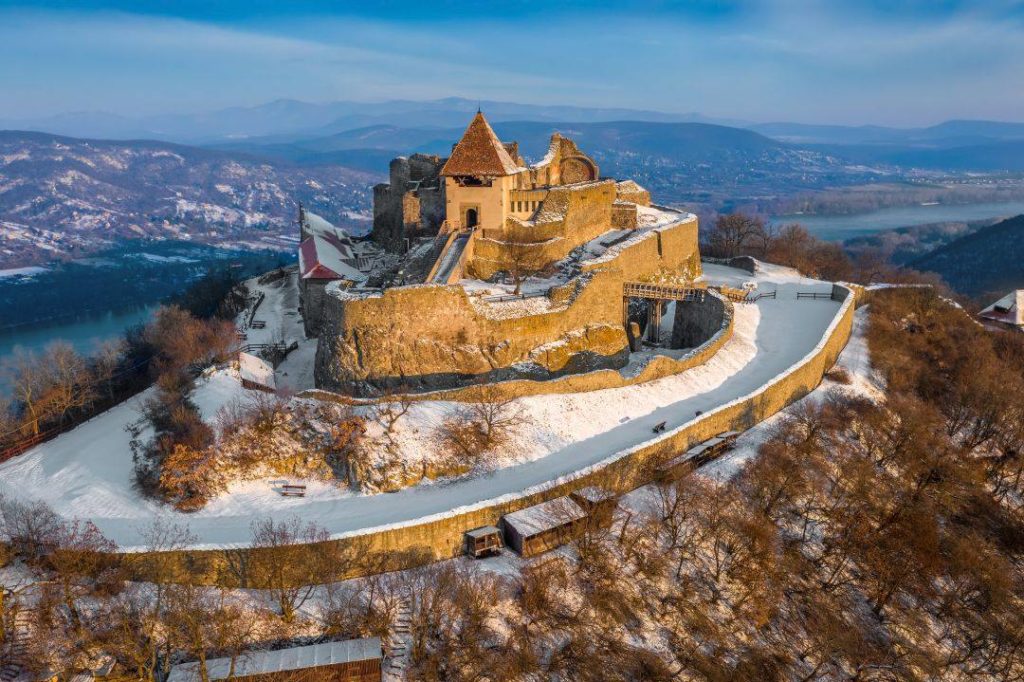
pixel 87 472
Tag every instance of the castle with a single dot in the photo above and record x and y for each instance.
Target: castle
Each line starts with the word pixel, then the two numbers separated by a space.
pixel 504 270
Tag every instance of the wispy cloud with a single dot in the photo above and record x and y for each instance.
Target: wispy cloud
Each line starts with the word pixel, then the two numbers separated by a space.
pixel 874 61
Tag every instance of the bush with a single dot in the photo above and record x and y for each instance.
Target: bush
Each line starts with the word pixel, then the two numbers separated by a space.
pixel 840 375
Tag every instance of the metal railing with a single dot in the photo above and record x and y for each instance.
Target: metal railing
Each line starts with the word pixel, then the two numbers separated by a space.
pixel 817 295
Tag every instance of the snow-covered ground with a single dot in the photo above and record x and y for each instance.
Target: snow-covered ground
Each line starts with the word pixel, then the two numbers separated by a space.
pixel 21 272
pixel 864 383
pixel 280 311
pixel 87 472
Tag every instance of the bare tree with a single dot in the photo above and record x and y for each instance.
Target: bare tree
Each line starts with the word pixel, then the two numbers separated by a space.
pixel 200 620
pixel 104 365
pixel 31 528
pixel 70 384
pixel 390 407
pixel 81 561
pixel 736 234
pixel 283 557
pixel 29 383
pixel 524 260
pixel 481 426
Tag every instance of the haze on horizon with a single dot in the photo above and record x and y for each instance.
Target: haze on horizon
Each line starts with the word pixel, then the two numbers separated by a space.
pixel 910 63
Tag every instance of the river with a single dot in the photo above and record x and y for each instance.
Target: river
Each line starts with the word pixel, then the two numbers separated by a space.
pixel 85 333
pixel 841 227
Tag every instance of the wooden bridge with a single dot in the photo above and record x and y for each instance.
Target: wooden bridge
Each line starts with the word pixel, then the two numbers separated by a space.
pixel 662 292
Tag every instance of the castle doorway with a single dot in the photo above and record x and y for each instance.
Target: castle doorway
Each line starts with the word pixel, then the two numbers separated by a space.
pixel 471 217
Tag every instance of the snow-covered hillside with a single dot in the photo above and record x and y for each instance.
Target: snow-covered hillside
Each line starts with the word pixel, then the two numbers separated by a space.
pixel 62 196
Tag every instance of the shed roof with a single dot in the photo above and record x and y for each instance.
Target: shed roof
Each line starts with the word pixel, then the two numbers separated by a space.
pixel 321 257
pixel 256 370
pixel 295 658
pixel 315 225
pixel 594 494
pixel 480 152
pixel 1009 309
pixel 483 531
pixel 544 516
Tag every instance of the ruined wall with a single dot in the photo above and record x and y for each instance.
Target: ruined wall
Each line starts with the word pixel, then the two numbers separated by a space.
pixel 311 304
pixel 411 204
pixel 442 538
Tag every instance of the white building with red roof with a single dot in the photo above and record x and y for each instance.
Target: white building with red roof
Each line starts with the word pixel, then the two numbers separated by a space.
pixel 328 254
pixel 1007 312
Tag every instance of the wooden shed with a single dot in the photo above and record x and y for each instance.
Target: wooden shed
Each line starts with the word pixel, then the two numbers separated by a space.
pixel 699 454
pixel 484 541
pixel 353 660
pixel 256 373
pixel 598 502
pixel 544 526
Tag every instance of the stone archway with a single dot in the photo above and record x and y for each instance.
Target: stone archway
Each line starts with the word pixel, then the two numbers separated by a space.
pixel 577 169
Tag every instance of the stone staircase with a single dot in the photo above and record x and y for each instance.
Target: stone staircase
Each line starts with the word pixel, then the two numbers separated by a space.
pixel 400 641
pixel 13 667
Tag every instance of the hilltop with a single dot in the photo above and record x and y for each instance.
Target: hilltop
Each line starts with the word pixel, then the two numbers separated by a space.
pixel 985 262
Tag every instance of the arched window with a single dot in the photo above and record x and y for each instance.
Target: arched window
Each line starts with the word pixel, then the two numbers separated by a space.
pixel 471 217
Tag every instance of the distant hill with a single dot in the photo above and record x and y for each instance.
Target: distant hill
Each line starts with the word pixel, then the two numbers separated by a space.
pixel 946 134
pixel 62 196
pixel 679 162
pixel 985 263
pixel 287 118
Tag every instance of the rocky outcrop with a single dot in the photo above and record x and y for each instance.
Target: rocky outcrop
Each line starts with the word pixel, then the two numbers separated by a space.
pixel 697 321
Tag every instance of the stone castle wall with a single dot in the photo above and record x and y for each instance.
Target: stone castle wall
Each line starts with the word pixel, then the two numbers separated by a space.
pixel 582 213
pixel 442 537
pixel 432 337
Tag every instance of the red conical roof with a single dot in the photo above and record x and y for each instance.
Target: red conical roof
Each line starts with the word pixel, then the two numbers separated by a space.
pixel 479 152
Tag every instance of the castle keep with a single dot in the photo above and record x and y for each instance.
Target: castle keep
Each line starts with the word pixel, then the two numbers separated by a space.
pixel 508 270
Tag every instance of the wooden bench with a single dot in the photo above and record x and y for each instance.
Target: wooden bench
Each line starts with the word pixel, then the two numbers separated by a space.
pixel 293 491
pixel 258 324
pixel 659 427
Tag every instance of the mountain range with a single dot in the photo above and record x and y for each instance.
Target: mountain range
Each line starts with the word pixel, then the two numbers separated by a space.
pixel 239 180
pixel 63 197
pixel 290 118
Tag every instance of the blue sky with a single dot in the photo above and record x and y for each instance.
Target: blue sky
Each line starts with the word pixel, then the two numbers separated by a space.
pixel 897 63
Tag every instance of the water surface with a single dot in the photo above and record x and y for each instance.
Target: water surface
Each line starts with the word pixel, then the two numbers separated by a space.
pixel 841 227
pixel 85 333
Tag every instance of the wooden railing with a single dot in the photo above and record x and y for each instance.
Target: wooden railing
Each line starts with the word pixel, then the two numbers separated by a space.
pixel 662 292
pixel 813 295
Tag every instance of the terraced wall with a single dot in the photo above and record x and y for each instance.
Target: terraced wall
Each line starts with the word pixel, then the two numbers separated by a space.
pixel 441 537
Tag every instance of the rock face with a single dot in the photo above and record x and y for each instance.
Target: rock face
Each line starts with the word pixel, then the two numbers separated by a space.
pixel 697 321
